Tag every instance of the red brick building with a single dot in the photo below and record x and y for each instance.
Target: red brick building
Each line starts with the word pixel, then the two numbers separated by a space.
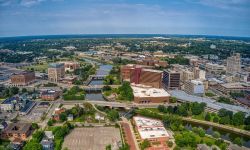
pixel 138 75
pixel 23 78
pixel 17 130
pixel 50 95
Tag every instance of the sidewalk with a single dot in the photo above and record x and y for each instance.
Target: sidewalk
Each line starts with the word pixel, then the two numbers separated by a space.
pixel 129 134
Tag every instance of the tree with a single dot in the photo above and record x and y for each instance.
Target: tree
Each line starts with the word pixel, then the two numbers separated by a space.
pixel 35 126
pixel 113 115
pixel 125 92
pixel 162 108
pixel 37 136
pixel 14 90
pixel 32 145
pixel 238 118
pixel 108 147
pixel 197 108
pixel 223 112
pixel 208 117
pixel 50 122
pixel 225 120
pixel 238 141
pixel 170 144
pixel 173 99
pixel 170 109
pixel 247 120
pixel 181 110
pixel 63 117
pixel 216 134
pixel 89 109
pixel 106 88
pixel 216 119
pixel 24 90
pixel 186 138
pixel 145 144
pixel 124 147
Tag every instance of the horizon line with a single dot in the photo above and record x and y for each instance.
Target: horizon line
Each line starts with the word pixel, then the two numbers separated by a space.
pixel 87 34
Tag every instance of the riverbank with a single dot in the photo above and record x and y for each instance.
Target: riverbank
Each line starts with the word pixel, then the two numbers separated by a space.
pixel 216 125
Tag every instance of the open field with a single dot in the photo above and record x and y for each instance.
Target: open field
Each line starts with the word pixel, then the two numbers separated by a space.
pixel 96 138
pixel 37 67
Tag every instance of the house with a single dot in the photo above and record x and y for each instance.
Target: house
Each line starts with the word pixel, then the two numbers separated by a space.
pixel 16 144
pixel 17 130
pixel 9 104
pixel 47 141
pixel 70 117
pixel 58 111
pixel 47 144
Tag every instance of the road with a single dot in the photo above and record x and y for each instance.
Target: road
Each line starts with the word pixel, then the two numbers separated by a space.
pixel 51 110
pixel 115 104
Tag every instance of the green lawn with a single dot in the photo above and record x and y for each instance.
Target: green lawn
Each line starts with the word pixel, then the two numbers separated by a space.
pixel 210 94
pixel 37 67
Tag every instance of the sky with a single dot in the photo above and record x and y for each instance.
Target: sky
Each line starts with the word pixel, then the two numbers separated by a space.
pixel 195 17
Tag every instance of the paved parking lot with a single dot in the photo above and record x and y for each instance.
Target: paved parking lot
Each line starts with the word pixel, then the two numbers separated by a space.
pixel 96 138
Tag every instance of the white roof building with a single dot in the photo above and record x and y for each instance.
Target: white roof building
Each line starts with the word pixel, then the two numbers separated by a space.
pixel 149 92
pixel 150 128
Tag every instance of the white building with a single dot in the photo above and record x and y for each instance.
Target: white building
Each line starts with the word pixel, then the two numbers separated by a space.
pixel 150 129
pixel 194 87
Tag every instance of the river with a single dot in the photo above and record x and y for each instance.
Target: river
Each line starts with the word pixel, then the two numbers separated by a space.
pixel 102 70
pixel 226 135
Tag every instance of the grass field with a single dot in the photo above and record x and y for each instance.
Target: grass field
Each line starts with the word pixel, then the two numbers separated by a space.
pixel 37 67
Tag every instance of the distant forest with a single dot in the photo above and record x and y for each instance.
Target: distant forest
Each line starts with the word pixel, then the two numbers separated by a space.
pixel 40 45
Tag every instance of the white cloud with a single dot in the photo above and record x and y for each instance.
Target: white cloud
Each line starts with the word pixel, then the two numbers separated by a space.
pixel 29 3
pixel 223 4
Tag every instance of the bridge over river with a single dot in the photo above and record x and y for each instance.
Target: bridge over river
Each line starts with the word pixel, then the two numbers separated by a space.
pixel 115 104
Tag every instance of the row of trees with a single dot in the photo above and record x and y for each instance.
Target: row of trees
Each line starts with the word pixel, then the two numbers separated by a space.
pixel 6 92
pixel 227 117
pixel 185 109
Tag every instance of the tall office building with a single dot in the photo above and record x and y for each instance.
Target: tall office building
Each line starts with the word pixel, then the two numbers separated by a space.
pixel 56 72
pixel 199 74
pixel 171 79
pixel 233 64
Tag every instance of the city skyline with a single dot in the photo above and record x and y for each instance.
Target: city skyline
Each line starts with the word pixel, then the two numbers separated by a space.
pixel 51 17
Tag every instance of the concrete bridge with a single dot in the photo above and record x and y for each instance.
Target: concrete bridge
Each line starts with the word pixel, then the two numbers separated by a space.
pixel 95 88
pixel 127 105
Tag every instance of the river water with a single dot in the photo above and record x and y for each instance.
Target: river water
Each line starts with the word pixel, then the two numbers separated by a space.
pixel 102 70
pixel 226 135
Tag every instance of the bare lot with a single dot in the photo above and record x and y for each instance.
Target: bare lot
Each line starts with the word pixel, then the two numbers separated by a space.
pixel 96 138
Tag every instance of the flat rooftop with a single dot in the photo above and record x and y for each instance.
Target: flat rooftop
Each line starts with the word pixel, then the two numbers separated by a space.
pixel 149 92
pixel 150 128
pixel 152 70
pixel 197 82
pixel 236 85
pixel 56 65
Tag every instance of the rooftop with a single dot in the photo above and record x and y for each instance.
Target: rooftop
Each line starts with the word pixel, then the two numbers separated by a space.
pixel 56 65
pixel 18 127
pixel 197 82
pixel 149 92
pixel 10 100
pixel 235 85
pixel 150 128
pixel 210 102
pixel 152 70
